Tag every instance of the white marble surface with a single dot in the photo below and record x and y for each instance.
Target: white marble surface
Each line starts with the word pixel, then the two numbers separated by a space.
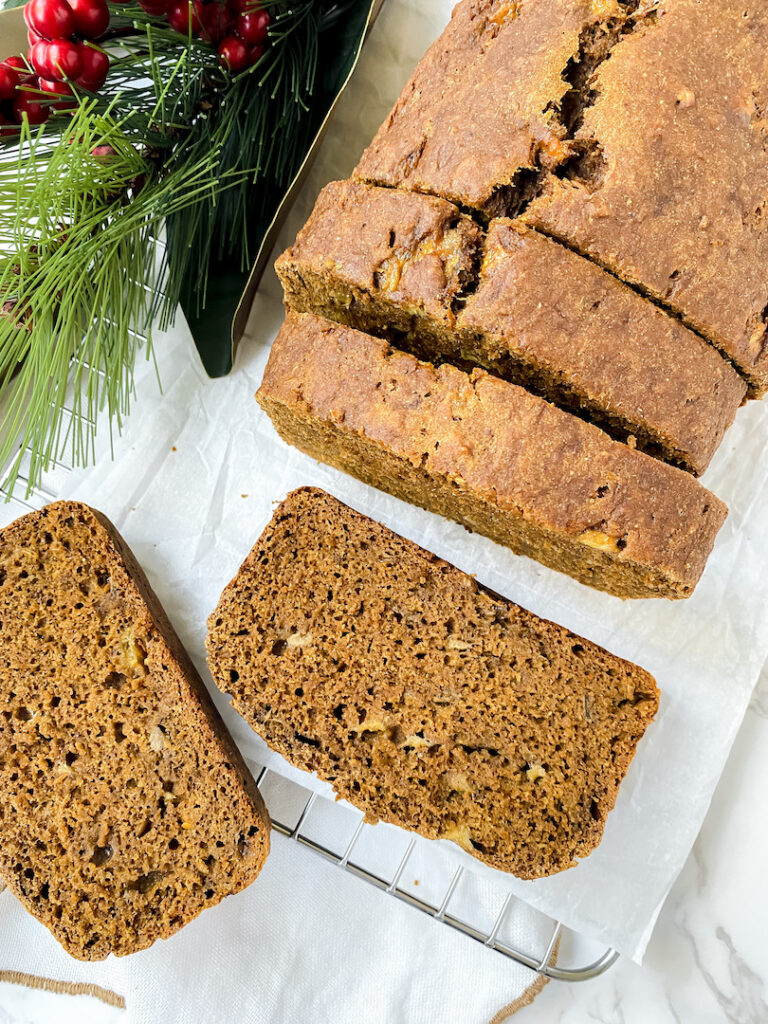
pixel 707 962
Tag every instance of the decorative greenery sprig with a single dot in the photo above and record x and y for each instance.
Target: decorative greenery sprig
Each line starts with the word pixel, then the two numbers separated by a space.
pixel 171 142
pixel 79 223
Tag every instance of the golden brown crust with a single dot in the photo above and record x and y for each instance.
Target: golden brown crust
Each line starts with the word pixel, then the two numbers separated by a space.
pixel 488 454
pixel 425 699
pixel 614 355
pixel 481 108
pixel 127 809
pixel 418 251
pixel 676 202
pixel 406 267
pixel 633 128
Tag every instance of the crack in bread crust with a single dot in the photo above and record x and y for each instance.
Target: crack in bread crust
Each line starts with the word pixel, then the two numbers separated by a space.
pixel 416 271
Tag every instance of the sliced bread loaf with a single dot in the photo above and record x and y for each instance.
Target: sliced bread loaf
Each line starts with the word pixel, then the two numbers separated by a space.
pixel 674 200
pixel 491 456
pixel 483 112
pixel 408 267
pixel 126 808
pixel 425 699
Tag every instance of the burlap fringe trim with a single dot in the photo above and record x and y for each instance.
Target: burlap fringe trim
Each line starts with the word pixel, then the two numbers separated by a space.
pixel 113 999
pixel 527 997
pixel 69 988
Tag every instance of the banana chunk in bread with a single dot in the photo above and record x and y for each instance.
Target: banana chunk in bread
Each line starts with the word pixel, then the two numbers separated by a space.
pixel 425 699
pixel 126 807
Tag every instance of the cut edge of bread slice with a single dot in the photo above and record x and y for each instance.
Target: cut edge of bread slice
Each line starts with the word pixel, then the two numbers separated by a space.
pixel 127 807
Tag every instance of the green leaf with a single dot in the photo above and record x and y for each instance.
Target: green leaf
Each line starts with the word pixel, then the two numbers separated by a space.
pixel 212 326
pixel 170 141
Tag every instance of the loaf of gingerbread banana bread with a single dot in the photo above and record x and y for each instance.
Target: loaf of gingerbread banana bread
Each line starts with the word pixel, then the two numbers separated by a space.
pixel 630 130
pixel 126 808
pixel 492 456
pixel 413 269
pixel 425 699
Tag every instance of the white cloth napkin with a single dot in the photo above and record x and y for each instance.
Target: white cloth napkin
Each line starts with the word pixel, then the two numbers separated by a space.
pixel 305 943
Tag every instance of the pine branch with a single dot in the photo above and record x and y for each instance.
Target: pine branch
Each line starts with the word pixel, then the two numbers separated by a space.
pixel 189 147
pixel 79 280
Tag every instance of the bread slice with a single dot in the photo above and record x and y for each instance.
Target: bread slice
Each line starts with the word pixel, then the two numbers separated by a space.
pixel 492 456
pixel 387 261
pixel 425 699
pixel 126 806
pixel 408 267
pixel 377 258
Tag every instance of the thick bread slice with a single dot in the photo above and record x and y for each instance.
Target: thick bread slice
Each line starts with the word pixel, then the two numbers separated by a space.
pixel 425 699
pixel 126 806
pixel 407 267
pixel 491 456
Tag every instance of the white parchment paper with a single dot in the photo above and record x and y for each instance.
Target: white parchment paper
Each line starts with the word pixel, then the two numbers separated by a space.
pixel 199 469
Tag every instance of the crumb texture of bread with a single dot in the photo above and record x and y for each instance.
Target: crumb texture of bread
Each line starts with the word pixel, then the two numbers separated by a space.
pixel 425 699
pixel 492 456
pixel 413 269
pixel 126 808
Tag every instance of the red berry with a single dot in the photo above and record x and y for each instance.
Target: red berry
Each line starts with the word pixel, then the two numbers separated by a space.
pixel 91 17
pixel 22 69
pixel 33 37
pixel 233 54
pixel 64 59
pixel 9 80
pixel 17 63
pixel 52 19
pixel 215 21
pixel 182 17
pixel 157 8
pixel 3 122
pixel 63 89
pixel 7 127
pixel 95 68
pixel 253 28
pixel 26 104
pixel 38 57
pixel 255 54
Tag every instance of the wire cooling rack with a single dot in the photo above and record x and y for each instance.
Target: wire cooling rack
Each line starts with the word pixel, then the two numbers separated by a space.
pixel 338 833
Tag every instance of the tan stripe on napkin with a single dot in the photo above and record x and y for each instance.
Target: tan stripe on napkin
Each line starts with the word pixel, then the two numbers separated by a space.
pixel 523 1000
pixel 69 988
pixel 527 997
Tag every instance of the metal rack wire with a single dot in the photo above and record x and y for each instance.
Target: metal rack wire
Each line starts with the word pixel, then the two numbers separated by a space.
pixel 292 817
pixel 296 812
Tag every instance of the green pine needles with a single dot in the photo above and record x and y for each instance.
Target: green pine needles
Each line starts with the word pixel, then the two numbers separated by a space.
pixel 172 146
